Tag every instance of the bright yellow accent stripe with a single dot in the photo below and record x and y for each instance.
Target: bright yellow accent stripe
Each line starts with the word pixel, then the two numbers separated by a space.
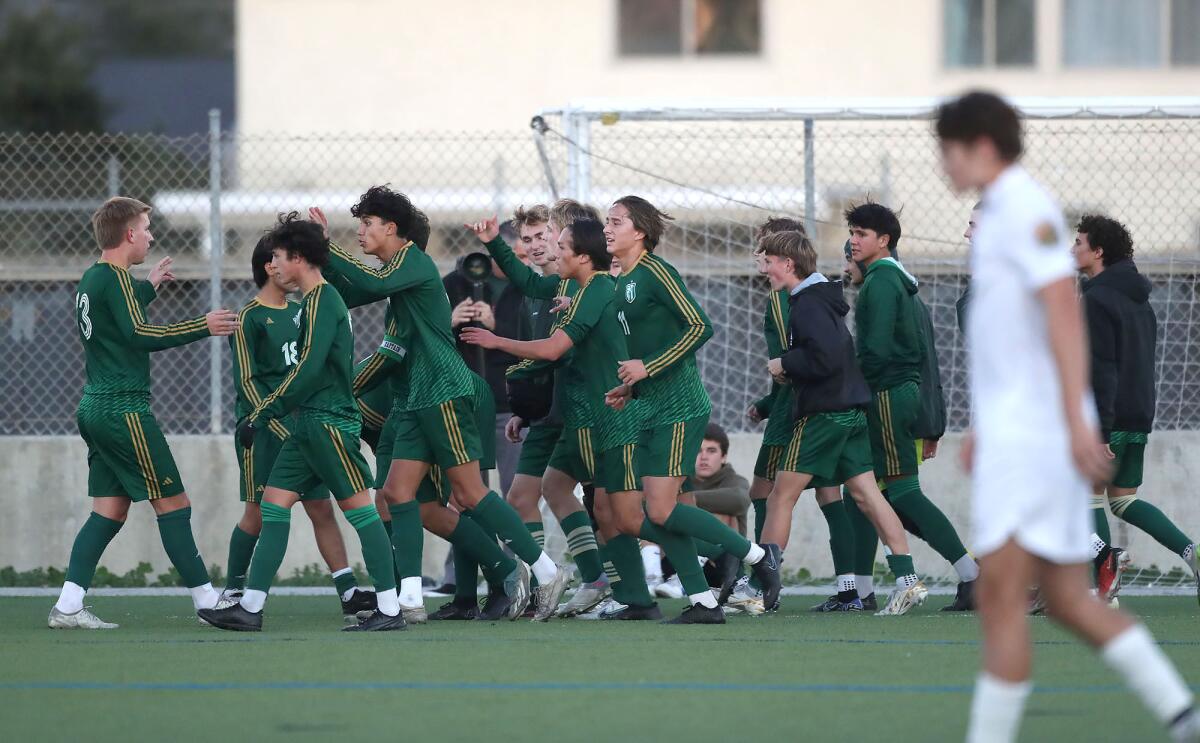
pixel 248 470
pixel 883 406
pixel 352 474
pixel 311 302
pixel 142 451
pixel 382 272
pixel 370 416
pixel 627 458
pixel 583 435
pixel 695 331
pixel 773 461
pixel 367 372
pixel 152 473
pixel 792 458
pixel 675 464
pixel 453 432
pixel 246 379
pixel 435 474
pixel 777 312
pixel 143 328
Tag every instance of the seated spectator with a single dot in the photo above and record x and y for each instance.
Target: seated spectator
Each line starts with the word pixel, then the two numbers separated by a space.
pixel 718 489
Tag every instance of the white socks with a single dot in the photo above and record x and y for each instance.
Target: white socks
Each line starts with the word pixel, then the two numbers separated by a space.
pixel 544 569
pixel 1146 670
pixel 967 568
pixel 865 585
pixel 755 554
pixel 704 598
pixel 1097 545
pixel 70 600
pixel 845 583
pixel 652 563
pixel 205 596
pixel 996 709
pixel 387 601
pixel 410 592
pixel 253 601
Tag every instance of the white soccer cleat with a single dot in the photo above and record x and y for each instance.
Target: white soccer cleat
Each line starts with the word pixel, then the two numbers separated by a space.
pixel 670 589
pixel 586 597
pixel 904 599
pixel 745 599
pixel 82 619
pixel 607 606
pixel 414 614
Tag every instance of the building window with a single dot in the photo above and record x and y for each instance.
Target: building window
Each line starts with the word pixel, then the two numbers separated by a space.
pixel 674 28
pixel 1131 33
pixel 988 33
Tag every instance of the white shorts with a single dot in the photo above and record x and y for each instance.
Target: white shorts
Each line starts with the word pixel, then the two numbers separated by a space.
pixel 1031 492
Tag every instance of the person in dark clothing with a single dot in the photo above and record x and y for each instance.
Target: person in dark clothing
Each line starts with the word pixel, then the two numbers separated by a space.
pixel 1122 332
pixel 718 488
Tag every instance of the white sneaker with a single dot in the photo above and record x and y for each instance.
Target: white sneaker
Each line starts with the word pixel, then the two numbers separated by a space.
pixel 413 614
pixel 607 606
pixel 745 599
pixel 587 597
pixel 82 619
pixel 670 589
pixel 903 599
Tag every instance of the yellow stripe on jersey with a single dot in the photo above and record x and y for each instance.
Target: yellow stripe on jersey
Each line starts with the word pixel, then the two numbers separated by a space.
pixel 892 457
pixel 312 302
pixel 365 374
pixel 140 326
pixel 793 450
pixel 627 453
pixel 353 476
pixel 777 312
pixel 453 433
pixel 142 451
pixel 691 337
pixel 382 272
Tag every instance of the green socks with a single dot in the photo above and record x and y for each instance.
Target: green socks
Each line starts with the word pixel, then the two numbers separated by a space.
pixel 760 518
pixel 630 587
pixel 902 567
pixel 407 538
pixel 1100 519
pixel 504 521
pixel 376 548
pixel 693 522
pixel 175 529
pixel 1149 519
pixel 272 544
pixel 866 541
pixel 537 531
pixel 681 551
pixel 707 550
pixel 581 544
pixel 241 549
pixel 343 581
pixel 90 544
pixel 479 550
pixel 905 496
pixel 841 537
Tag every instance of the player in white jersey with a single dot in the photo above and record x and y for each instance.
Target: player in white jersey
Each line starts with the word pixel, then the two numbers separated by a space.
pixel 1035 446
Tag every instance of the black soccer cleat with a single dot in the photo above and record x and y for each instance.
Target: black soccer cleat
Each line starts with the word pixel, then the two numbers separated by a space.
pixel 869 603
pixel 767 572
pixel 378 622
pixel 727 571
pixel 359 602
pixel 456 610
pixel 828 605
pixel 234 618
pixel 698 614
pixel 964 598
pixel 649 613
pixel 495 607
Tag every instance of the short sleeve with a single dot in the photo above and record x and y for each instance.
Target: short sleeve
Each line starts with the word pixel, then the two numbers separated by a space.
pixel 1041 248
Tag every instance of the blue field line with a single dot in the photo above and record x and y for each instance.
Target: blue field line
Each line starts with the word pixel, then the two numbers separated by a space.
pixel 534 686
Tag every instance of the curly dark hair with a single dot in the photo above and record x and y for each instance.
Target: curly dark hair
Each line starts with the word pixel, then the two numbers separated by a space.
pixel 299 237
pixel 1107 234
pixel 877 218
pixel 981 114
pixel 395 207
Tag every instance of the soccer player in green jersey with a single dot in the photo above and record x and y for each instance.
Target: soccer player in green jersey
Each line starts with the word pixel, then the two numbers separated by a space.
pixel 264 348
pixel 436 421
pixel 829 439
pixel 128 457
pixel 323 447
pixel 665 327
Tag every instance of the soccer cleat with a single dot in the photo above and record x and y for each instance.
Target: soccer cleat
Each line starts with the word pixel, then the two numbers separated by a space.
pixel 727 573
pixel 830 604
pixel 607 606
pixel 234 618
pixel 414 614
pixel 767 572
pixel 82 619
pixel 454 610
pixel 611 609
pixel 853 605
pixel 1186 727
pixel 546 596
pixel 670 588
pixel 360 601
pixel 699 614
pixel 1108 578
pixel 229 597
pixel 587 597
pixel 634 613
pixel 964 598
pixel 496 606
pixel 1037 602
pixel 745 599
pixel 904 599
pixel 377 621
pixel 516 588
pixel 869 603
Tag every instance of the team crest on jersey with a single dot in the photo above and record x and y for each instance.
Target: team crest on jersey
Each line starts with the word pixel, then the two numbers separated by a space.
pixel 631 291
pixel 296 319
pixel 1047 235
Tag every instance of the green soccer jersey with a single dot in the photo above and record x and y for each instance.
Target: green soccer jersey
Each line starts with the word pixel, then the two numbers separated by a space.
pixel 319 383
pixel 264 348
pixel 410 282
pixel 600 345
pixel 665 327
pixel 117 339
pixel 776 407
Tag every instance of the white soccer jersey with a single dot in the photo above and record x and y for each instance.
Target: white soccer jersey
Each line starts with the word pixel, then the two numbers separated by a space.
pixel 1025 482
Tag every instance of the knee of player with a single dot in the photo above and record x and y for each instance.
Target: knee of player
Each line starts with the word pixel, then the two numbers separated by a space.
pixel 659 512
pixel 172 503
pixel 319 511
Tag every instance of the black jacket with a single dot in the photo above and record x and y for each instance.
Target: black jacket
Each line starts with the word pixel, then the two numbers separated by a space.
pixel 1122 332
pixel 512 320
pixel 820 360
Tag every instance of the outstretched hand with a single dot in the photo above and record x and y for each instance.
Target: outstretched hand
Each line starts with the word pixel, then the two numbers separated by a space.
pixel 161 272
pixel 486 230
pixel 221 322
pixel 478 337
pixel 316 215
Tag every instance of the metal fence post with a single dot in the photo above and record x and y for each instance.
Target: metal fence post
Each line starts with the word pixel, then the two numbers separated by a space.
pixel 216 252
pixel 810 177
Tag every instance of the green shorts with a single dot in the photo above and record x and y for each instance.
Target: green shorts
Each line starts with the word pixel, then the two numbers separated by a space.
pixel 670 450
pixel 446 435
pixel 255 463
pixel 832 447
pixel 767 463
pixel 616 469
pixel 1130 449
pixel 537 449
pixel 434 488
pixel 320 453
pixel 127 456
pixel 890 419
pixel 574 454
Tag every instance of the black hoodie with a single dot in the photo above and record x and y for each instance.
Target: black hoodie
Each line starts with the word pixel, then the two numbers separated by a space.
pixel 1122 331
pixel 820 360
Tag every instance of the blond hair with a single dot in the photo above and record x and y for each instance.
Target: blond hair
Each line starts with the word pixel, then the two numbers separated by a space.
pixel 566 211
pixel 113 218
pixel 525 216
pixel 793 245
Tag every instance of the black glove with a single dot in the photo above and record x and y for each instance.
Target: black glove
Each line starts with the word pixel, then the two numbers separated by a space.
pixel 246 431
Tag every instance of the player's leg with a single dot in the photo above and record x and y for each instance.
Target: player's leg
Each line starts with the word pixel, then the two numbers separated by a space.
pixel 765 467
pixel 866 544
pixel 412 457
pixel 841 549
pixel 572 461
pixel 909 591
pixel 107 516
pixel 525 493
pixel 1125 505
pixel 618 508
pixel 319 509
pixel 241 548
pixel 789 486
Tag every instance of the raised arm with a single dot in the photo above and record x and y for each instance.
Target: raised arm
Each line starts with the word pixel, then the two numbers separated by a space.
pixel 320 328
pixel 379 366
pixel 527 281
pixel 546 349
pixel 372 284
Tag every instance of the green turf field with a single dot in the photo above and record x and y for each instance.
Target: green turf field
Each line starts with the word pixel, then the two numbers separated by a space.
pixel 786 677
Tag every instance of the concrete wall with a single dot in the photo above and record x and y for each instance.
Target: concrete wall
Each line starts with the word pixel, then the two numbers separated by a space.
pixel 45 480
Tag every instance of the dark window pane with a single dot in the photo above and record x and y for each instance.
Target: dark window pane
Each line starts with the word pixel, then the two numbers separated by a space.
pixel 728 27
pixel 962 32
pixel 1185 32
pixel 1014 32
pixel 1112 33
pixel 649 27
